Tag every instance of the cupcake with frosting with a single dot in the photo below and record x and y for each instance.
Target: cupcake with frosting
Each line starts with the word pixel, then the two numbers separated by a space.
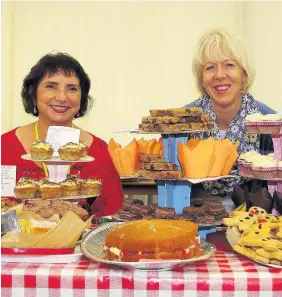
pixel 264 168
pixel 251 123
pixel 91 186
pixel 70 152
pixel 245 162
pixel 84 148
pixel 25 189
pixel 271 124
pixel 70 187
pixel 41 150
pixel 50 190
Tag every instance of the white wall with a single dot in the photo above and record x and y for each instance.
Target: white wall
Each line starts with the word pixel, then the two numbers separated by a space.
pixel 137 54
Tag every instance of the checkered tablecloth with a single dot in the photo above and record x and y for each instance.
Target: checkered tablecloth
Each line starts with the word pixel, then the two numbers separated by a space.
pixel 226 274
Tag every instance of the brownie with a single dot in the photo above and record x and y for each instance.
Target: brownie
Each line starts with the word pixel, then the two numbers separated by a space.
pixel 181 218
pixel 137 201
pixel 207 219
pixel 212 202
pixel 165 212
pixel 141 209
pixel 197 201
pixel 128 215
pixel 152 207
pixel 221 216
pixel 193 210
pixel 215 210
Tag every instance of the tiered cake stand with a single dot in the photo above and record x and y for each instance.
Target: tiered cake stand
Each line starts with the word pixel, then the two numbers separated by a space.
pixel 58 169
pixel 177 193
pixel 274 184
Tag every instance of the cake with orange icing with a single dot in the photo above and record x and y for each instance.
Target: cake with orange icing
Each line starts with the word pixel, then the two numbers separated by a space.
pixel 153 239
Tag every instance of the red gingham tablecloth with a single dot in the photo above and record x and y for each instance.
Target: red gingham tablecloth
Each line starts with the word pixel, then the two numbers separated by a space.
pixel 226 274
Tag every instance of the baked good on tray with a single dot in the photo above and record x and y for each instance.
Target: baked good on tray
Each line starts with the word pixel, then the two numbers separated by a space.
pixel 70 187
pixel 153 239
pixel 168 174
pixel 176 120
pixel 91 186
pixel 70 152
pixel 41 150
pixel 25 189
pixel 84 148
pixel 50 190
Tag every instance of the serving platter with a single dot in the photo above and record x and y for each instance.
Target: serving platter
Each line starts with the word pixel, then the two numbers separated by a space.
pixel 92 246
pixel 138 131
pixel 232 237
pixel 39 258
pixel 57 160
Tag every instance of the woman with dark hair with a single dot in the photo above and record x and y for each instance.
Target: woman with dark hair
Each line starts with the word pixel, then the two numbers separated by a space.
pixel 56 90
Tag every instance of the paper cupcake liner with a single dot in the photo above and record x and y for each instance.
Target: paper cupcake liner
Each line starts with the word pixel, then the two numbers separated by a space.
pixel 279 172
pixel 241 168
pixel 264 173
pixel 251 127
pixel 248 168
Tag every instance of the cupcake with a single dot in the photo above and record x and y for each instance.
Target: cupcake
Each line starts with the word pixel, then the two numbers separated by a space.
pixel 279 169
pixel 25 190
pixel 70 187
pixel 270 124
pixel 91 187
pixel 264 169
pixel 245 162
pixel 70 152
pixel 251 123
pixel 41 150
pixel 50 190
pixel 84 148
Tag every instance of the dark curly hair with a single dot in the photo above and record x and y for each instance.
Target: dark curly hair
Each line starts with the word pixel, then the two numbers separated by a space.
pixel 51 64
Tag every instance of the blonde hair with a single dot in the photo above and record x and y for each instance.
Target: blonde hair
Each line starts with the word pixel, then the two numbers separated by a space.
pixel 219 45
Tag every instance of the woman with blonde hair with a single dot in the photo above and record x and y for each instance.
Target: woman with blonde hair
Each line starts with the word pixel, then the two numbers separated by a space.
pixel 224 72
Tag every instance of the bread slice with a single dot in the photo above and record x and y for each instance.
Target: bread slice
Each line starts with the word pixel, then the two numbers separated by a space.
pixel 170 174
pixel 160 166
pixel 184 111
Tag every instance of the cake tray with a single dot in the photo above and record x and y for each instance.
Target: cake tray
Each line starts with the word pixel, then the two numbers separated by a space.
pixel 65 198
pixel 57 160
pixel 138 131
pixel 92 246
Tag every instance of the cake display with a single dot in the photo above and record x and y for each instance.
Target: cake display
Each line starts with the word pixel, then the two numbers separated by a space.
pixel 176 120
pixel 153 239
pixel 91 186
pixel 70 152
pixel 41 150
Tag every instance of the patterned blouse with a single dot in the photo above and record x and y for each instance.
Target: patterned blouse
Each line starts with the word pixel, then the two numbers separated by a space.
pixel 235 131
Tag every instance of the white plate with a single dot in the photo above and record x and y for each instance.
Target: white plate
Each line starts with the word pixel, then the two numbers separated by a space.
pixel 232 236
pixel 92 247
pixel 50 259
pixel 57 159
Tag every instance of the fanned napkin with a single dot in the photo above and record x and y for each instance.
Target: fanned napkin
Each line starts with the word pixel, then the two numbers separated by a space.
pixel 207 158
pixel 126 160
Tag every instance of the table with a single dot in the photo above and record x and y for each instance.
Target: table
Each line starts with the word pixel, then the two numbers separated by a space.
pixel 226 274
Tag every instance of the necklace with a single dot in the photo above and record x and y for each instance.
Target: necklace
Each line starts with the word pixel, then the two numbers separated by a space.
pixel 37 137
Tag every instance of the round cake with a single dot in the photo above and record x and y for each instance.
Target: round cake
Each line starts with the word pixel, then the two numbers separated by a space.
pixel 153 239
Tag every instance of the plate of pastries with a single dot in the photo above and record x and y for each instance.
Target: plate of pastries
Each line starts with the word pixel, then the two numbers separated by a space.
pixel 70 152
pixel 72 188
pixel 147 244
pixel 256 235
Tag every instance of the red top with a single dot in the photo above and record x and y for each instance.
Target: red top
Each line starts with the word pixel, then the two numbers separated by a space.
pixel 110 200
